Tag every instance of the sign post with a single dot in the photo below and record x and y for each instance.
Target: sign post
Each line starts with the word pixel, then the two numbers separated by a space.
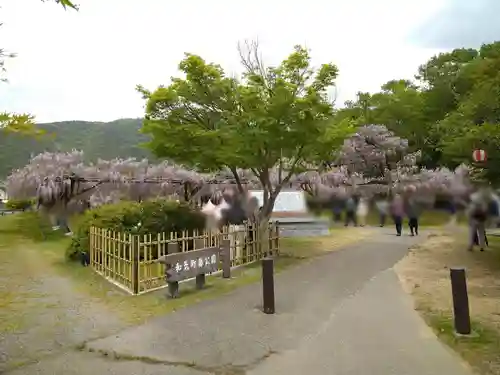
pixel 194 264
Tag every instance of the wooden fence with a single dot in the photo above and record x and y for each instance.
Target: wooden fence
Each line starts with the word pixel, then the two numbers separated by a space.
pixel 5 212
pixel 131 261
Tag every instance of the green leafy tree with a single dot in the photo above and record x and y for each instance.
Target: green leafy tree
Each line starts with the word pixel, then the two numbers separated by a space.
pixel 399 106
pixel 475 123
pixel 452 108
pixel 272 121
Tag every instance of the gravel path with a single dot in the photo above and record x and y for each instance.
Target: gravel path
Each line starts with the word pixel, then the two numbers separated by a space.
pixel 43 313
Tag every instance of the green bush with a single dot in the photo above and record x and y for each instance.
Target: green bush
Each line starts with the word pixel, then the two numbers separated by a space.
pixel 314 205
pixel 154 216
pixel 19 204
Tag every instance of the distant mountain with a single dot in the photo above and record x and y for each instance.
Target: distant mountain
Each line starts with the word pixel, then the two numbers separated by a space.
pixel 105 140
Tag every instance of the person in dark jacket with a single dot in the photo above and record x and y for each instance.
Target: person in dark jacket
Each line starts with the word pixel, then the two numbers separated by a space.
pixel 413 213
pixel 477 214
pixel 350 212
pixel 397 211
pixel 337 207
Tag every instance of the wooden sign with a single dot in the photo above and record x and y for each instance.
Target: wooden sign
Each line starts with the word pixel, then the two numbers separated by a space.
pixel 194 264
pixel 189 264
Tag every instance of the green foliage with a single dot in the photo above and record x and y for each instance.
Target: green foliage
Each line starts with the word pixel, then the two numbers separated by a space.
pixel 120 138
pixel 454 110
pixel 19 204
pixel 66 4
pixel 19 124
pixel 29 225
pixel 317 206
pixel 149 217
pixel 272 116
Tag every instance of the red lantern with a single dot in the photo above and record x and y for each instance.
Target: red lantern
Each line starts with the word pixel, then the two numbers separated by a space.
pixel 479 156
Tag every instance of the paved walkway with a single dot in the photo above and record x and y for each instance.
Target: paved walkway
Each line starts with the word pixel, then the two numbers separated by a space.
pixel 344 313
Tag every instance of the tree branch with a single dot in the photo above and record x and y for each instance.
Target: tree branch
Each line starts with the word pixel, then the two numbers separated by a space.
pixel 236 176
pixel 87 189
pixel 292 171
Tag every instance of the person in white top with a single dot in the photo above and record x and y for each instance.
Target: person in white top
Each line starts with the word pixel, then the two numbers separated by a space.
pixel 382 206
pixel 362 211
pixel 210 217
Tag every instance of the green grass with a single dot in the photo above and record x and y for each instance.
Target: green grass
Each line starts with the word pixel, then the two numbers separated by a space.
pixel 481 350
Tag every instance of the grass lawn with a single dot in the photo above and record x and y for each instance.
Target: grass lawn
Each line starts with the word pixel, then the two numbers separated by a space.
pixel 425 274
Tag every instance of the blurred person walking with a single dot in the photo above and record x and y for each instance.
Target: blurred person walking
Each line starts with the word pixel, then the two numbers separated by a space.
pixel 350 212
pixel 362 211
pixel 382 206
pixel 397 212
pixel 477 215
pixel 412 212
pixel 337 207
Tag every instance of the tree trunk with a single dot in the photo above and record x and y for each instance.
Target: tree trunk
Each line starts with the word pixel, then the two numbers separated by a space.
pixel 269 201
pixel 238 180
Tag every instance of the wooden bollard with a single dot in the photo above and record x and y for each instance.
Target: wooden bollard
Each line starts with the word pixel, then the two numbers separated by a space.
pixel 268 285
pixel 173 286
pixel 460 301
pixel 199 243
pixel 226 259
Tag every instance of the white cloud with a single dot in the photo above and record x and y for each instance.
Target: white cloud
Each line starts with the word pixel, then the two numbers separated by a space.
pixel 84 65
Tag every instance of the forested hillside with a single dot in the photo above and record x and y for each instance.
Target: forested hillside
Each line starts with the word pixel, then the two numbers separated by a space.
pixel 120 138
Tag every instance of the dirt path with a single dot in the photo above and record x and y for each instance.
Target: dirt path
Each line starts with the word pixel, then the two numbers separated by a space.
pixel 41 312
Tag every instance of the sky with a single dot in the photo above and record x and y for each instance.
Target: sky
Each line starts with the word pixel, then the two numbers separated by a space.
pixel 85 65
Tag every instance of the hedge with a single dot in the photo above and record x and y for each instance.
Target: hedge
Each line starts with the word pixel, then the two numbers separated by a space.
pixel 19 204
pixel 154 216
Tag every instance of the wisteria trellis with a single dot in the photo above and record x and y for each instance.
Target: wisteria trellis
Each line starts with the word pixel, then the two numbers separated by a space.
pixel 371 161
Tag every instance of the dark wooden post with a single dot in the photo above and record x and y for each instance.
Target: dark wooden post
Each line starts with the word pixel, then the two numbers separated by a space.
pixel 135 250
pixel 268 285
pixel 277 228
pixel 173 286
pixel 460 301
pixel 226 258
pixel 270 234
pixel 199 243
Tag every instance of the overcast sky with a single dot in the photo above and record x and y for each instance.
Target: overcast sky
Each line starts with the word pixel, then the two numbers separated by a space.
pixel 85 65
pixel 460 23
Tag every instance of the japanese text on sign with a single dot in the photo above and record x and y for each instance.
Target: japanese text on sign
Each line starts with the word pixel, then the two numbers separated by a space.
pixel 192 264
pixel 184 265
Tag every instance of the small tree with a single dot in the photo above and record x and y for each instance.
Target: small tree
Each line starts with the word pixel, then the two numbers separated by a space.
pixel 272 120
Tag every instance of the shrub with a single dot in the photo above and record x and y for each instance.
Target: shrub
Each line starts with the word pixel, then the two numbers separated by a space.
pixel 155 216
pixel 19 204
pixel 318 206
